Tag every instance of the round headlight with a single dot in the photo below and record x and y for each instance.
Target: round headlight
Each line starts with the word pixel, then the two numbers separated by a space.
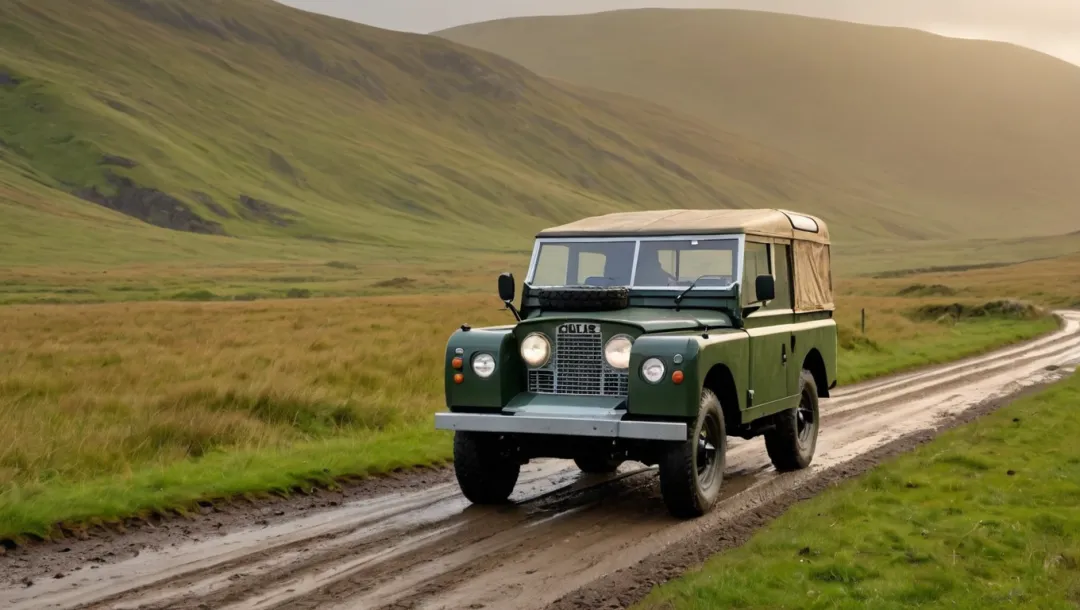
pixel 653 370
pixel 617 352
pixel 483 365
pixel 535 350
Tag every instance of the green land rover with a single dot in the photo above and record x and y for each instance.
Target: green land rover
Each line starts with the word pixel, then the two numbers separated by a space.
pixel 652 337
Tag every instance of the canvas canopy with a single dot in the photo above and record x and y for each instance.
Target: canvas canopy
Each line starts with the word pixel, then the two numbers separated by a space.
pixel 763 222
pixel 809 235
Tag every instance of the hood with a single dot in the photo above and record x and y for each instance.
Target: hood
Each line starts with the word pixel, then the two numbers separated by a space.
pixel 648 320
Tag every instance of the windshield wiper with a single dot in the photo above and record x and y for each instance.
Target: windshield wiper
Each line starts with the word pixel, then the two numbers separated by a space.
pixel 682 295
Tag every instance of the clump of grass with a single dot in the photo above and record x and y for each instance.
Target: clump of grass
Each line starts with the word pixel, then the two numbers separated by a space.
pixel 341 265
pixel 298 293
pixel 983 517
pixel 924 290
pixel 397 282
pixel 993 309
pixel 195 295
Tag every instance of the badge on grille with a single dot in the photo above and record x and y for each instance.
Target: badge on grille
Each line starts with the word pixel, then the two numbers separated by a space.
pixel 579 329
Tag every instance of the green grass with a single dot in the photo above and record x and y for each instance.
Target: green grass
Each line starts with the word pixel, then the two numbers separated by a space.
pixel 121 409
pixel 962 152
pixel 387 146
pixel 983 517
pixel 35 510
pixel 864 359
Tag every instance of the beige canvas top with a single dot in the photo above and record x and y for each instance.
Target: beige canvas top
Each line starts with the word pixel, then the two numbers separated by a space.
pixel 764 222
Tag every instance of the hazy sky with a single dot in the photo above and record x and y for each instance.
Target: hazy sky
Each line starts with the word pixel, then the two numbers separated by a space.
pixel 1051 26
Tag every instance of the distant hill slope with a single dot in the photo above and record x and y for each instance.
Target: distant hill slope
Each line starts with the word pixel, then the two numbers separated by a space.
pixel 986 135
pixel 143 130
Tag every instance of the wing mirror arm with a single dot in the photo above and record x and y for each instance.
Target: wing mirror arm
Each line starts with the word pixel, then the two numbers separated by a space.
pixel 507 291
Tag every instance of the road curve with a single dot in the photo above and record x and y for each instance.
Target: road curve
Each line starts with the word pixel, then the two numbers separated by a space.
pixel 431 549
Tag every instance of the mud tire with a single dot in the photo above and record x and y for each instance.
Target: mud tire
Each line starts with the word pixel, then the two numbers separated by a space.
pixel 688 490
pixel 584 298
pixel 791 444
pixel 486 467
pixel 597 464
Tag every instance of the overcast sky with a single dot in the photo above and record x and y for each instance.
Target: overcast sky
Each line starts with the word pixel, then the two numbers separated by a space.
pixel 1051 26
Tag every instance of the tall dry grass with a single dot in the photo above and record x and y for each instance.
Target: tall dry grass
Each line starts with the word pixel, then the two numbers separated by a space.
pixel 92 390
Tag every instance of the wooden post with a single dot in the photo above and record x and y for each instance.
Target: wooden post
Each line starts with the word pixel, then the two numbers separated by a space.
pixel 864 321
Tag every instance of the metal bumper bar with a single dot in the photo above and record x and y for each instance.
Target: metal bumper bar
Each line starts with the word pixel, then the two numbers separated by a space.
pixel 561 426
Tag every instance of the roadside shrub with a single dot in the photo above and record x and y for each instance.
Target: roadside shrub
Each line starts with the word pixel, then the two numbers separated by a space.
pixel 850 339
pixel 1014 310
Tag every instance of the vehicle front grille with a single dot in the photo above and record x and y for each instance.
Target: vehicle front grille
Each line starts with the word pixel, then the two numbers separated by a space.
pixel 578 368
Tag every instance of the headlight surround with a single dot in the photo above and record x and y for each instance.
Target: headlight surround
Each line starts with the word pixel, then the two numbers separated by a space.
pixel 617 351
pixel 483 365
pixel 653 369
pixel 536 350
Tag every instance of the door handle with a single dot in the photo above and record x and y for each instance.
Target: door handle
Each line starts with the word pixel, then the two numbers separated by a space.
pixel 783 354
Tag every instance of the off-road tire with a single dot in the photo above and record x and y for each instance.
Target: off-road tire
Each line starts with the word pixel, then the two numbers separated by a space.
pixel 681 484
pixel 791 444
pixel 584 298
pixel 486 467
pixel 598 464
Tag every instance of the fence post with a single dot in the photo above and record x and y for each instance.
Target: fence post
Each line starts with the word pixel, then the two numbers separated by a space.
pixel 864 321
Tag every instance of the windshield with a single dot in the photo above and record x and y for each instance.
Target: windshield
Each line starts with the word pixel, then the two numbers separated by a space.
pixel 661 263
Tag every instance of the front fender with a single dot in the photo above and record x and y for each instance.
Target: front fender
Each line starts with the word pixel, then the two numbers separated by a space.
pixel 665 399
pixel 475 392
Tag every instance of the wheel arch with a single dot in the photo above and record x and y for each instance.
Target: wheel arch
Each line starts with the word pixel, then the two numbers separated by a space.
pixel 815 363
pixel 722 383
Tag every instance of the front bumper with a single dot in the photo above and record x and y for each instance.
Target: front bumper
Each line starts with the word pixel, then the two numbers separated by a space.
pixel 602 423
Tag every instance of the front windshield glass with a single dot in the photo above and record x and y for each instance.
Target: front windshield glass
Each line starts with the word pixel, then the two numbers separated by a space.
pixel 661 263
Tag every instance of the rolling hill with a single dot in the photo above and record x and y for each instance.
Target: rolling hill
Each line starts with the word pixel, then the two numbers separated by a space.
pixel 982 136
pixel 160 130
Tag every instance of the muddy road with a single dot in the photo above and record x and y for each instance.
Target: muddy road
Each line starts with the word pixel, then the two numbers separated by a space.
pixel 569 539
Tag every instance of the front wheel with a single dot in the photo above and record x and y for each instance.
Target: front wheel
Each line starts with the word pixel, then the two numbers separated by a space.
pixel 691 471
pixel 791 444
pixel 486 467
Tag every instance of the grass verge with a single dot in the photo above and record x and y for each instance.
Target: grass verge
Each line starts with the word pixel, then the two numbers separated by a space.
pixel 116 410
pixel 983 516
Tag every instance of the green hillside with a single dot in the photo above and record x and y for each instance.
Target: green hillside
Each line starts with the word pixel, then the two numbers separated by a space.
pixel 160 130
pixel 985 135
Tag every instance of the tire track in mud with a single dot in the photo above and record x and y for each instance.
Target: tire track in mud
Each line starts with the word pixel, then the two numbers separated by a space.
pixel 568 535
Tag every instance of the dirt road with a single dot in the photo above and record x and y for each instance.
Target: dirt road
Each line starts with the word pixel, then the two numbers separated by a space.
pixel 564 539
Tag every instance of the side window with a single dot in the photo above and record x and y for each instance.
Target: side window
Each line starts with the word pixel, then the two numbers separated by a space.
pixel 756 263
pixel 784 297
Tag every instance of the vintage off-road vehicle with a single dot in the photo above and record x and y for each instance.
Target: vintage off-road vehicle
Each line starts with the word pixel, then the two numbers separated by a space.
pixel 651 337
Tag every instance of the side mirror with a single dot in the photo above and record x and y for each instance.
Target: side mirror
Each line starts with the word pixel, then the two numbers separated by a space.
pixel 765 285
pixel 507 288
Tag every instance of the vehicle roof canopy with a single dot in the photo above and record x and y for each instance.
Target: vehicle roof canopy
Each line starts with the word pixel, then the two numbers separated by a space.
pixel 810 235
pixel 764 222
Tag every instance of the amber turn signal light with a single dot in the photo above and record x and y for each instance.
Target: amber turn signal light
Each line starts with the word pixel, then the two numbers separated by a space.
pixel 459 378
pixel 677 377
pixel 457 363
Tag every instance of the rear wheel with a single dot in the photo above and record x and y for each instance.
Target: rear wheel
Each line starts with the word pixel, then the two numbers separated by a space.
pixel 486 467
pixel 597 464
pixel 692 471
pixel 791 444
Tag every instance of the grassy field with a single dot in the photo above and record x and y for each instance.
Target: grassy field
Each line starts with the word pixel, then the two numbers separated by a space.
pixel 284 135
pixel 250 135
pixel 118 409
pixel 983 517
pixel 915 113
